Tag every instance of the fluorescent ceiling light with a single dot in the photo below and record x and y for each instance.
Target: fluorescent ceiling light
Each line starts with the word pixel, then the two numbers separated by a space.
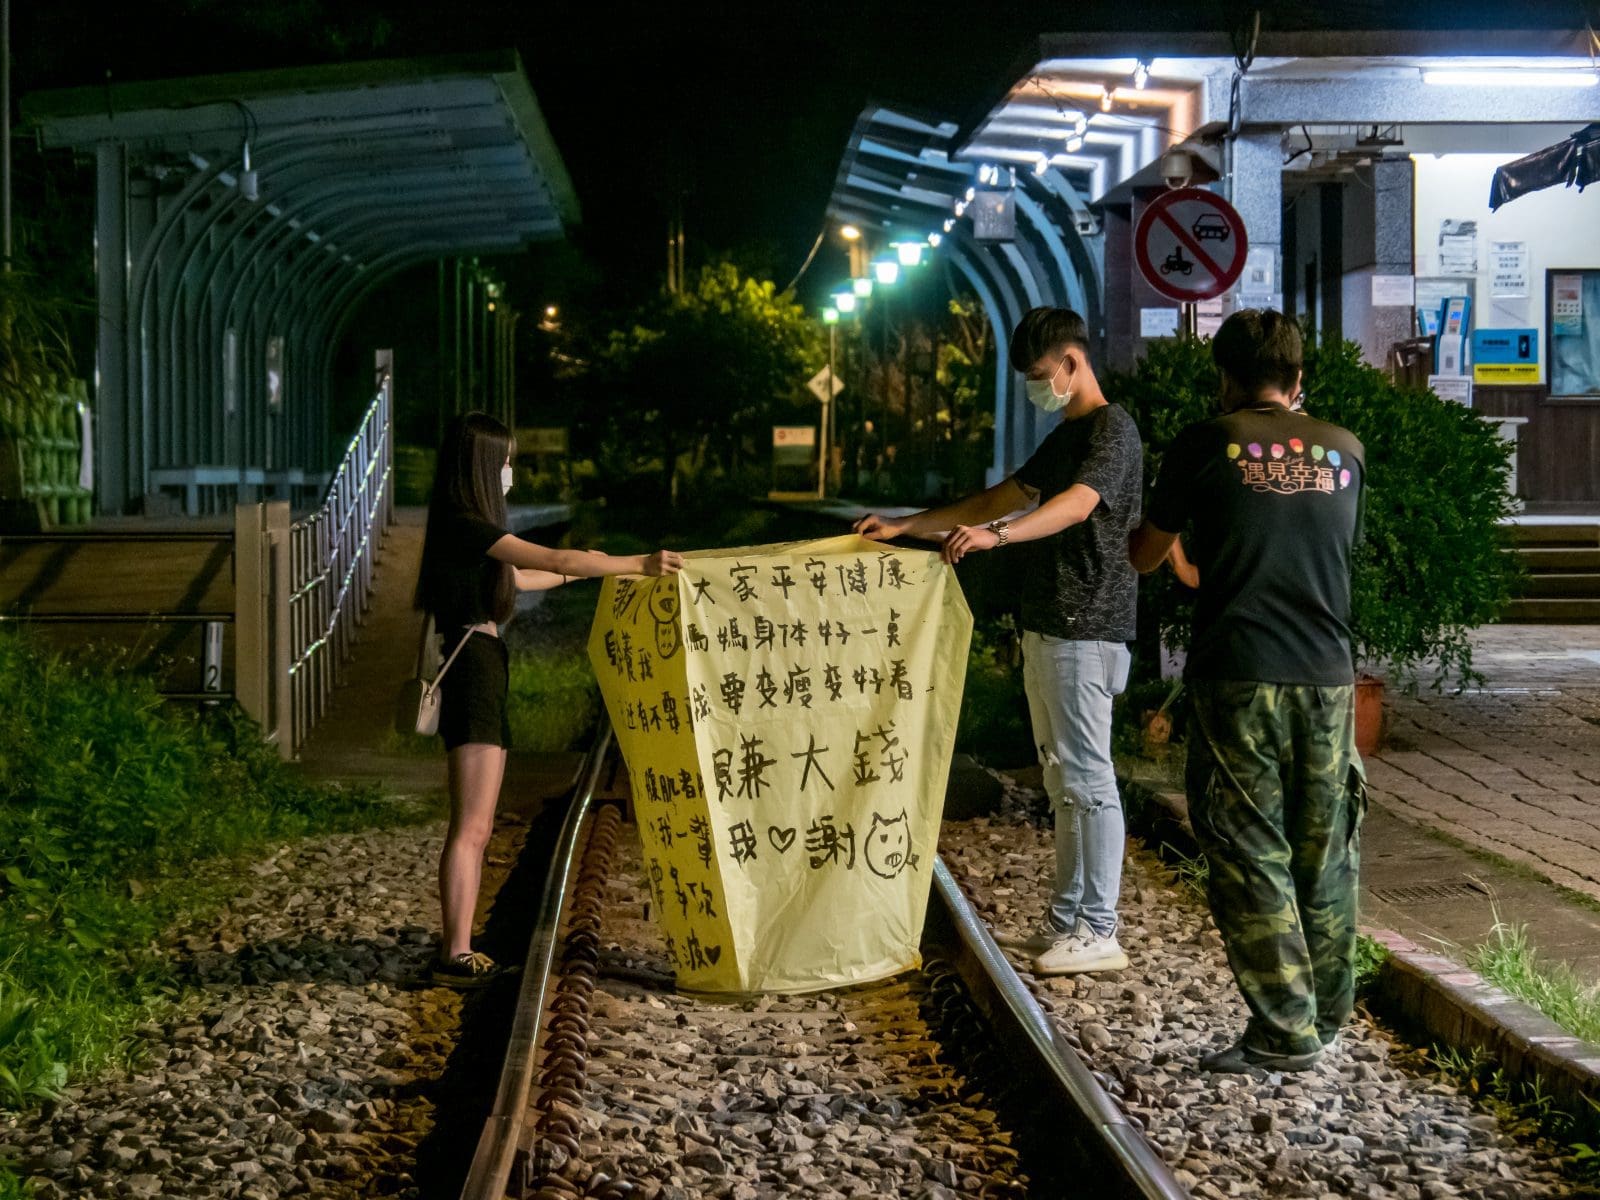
pixel 1511 77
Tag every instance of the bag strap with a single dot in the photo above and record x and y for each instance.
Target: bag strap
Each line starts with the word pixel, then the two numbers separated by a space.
pixel 471 629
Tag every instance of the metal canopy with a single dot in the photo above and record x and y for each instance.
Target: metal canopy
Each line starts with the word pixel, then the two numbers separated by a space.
pixel 1132 96
pixel 897 178
pixel 211 275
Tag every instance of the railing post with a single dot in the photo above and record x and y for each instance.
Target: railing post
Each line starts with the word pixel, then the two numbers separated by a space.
pixel 251 564
pixel 280 647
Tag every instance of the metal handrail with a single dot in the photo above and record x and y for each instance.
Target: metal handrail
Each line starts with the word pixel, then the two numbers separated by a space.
pixel 331 554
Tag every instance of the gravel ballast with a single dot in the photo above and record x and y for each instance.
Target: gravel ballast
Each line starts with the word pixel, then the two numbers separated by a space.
pixel 1365 1122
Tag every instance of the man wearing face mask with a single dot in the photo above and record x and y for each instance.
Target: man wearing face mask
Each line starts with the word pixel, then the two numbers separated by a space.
pixel 1272 499
pixel 1077 595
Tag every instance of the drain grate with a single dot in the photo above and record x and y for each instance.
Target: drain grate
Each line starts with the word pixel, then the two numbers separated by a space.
pixel 1431 893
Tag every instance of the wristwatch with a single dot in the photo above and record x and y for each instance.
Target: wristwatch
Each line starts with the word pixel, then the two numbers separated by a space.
pixel 1000 529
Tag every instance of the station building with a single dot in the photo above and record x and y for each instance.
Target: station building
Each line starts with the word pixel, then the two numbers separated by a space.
pixel 1378 174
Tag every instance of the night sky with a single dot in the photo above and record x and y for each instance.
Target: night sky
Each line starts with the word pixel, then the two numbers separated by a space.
pixel 746 110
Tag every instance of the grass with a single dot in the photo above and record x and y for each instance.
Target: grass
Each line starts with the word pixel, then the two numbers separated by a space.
pixel 1525 1108
pixel 119 817
pixel 1508 960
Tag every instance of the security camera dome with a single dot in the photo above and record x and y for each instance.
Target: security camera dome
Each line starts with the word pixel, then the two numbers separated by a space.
pixel 1177 168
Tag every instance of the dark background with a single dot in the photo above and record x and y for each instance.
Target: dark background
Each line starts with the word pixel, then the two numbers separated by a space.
pixel 743 109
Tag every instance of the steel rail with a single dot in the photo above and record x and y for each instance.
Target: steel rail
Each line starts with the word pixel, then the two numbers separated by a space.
pixel 1109 1147
pixel 492 1164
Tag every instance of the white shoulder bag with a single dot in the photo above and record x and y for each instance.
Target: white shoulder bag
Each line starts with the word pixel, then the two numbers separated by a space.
pixel 418 708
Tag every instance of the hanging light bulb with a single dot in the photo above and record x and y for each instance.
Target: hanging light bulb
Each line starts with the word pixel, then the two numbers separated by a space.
pixel 1074 144
pixel 934 239
pixel 948 224
pixel 1105 99
pixel 1141 74
pixel 1041 165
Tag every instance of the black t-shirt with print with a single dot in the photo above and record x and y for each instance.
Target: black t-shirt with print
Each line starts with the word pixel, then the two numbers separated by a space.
pixel 461 577
pixel 1272 500
pixel 1078 584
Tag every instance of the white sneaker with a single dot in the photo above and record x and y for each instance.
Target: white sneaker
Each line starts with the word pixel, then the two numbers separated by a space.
pixel 1036 943
pixel 1084 951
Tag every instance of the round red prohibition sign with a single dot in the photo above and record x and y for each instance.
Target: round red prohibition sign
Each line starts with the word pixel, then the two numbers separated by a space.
pixel 1190 244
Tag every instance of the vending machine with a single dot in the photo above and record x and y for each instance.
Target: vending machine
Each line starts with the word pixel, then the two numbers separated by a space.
pixel 1450 343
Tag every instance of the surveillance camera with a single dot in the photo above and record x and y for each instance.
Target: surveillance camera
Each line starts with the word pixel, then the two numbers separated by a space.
pixel 1177 168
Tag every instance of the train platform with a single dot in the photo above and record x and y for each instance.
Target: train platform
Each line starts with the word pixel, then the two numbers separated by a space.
pixel 1486 801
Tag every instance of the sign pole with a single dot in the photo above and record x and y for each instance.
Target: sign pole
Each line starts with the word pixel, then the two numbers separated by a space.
pixel 827 404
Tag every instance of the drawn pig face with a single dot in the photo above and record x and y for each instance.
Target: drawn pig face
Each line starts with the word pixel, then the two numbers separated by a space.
pixel 888 845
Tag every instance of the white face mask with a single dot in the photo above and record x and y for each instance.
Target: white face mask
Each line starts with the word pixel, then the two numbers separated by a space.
pixel 1042 392
pixel 505 479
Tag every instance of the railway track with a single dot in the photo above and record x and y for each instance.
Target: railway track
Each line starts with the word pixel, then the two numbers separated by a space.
pixel 941 1082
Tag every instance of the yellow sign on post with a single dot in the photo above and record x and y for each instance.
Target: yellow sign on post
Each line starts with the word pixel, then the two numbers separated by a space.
pixel 787 714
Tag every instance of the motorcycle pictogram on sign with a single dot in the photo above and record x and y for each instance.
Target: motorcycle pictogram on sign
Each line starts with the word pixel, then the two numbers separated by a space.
pixel 1190 244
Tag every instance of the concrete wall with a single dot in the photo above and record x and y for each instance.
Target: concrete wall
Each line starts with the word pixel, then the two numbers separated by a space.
pixel 1560 225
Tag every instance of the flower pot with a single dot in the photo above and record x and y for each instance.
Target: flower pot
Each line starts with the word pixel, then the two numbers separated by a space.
pixel 1369 714
pixel 1157 729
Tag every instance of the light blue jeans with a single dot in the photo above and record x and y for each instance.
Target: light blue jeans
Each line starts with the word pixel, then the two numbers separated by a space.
pixel 1070 686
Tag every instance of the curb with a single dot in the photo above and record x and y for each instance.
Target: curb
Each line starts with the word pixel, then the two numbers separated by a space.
pixel 1427 992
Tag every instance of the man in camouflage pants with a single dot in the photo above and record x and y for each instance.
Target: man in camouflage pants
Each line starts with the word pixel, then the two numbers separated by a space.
pixel 1272 500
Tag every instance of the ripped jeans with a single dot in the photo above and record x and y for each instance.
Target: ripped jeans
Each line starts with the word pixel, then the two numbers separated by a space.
pixel 1070 686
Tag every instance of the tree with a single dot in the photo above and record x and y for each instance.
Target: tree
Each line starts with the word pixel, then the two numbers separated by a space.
pixel 699 374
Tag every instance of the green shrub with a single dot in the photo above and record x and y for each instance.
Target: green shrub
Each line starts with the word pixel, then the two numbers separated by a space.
pixel 994 724
pixel 108 799
pixel 1429 568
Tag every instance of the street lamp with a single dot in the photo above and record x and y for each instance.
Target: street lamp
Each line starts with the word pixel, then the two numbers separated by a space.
pixel 862 286
pixel 886 271
pixel 845 301
pixel 830 316
pixel 849 233
pixel 908 252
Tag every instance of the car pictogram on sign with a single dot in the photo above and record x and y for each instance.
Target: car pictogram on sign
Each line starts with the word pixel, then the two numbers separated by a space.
pixel 1211 227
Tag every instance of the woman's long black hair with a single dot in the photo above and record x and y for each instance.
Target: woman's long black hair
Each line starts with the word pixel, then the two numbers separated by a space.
pixel 466 479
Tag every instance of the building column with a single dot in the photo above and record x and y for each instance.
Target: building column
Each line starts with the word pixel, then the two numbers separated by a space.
pixel 1255 188
pixel 1392 187
pixel 114 447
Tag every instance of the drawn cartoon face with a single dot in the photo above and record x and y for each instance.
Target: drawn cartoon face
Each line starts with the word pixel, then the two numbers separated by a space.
pixel 663 607
pixel 888 845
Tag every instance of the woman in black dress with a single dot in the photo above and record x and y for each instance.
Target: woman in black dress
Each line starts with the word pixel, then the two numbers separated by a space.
pixel 472 569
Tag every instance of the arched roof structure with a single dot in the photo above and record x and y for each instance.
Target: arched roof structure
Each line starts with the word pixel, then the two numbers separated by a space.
pixel 240 219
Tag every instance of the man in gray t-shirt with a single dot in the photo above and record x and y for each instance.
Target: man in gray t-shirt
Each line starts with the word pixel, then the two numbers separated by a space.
pixel 1078 591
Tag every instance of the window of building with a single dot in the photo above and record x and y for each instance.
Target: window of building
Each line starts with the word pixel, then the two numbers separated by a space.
pixel 1572 306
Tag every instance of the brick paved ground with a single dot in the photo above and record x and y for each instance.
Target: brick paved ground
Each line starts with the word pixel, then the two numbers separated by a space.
pixel 1513 767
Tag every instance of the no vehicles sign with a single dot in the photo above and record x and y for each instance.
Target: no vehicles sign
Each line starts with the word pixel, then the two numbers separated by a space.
pixel 1190 244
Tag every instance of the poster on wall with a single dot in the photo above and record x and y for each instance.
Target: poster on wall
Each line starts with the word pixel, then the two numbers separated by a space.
pixel 1458 247
pixel 1508 270
pixel 1566 305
